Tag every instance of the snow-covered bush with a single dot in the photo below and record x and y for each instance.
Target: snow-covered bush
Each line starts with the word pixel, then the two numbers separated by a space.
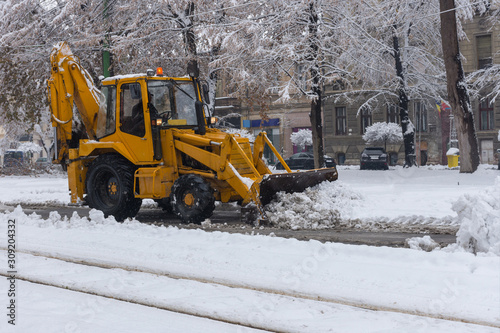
pixel 383 133
pixel 479 219
pixel 29 147
pixel 318 207
pixel 302 138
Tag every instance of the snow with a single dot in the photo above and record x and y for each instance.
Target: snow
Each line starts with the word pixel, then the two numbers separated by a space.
pixel 302 138
pixel 425 243
pixel 267 282
pixel 125 76
pixel 479 219
pixel 382 133
pixel 398 196
pixel 245 180
pixel 240 132
pixel 453 151
pixel 29 147
pixel 319 207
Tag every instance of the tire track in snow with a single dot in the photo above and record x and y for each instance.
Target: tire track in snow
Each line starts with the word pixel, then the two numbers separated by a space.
pixel 228 284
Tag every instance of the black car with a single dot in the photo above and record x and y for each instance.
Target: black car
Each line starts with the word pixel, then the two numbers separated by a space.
pixel 304 161
pixel 374 158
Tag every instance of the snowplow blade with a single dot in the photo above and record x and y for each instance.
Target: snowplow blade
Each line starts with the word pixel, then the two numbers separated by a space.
pixel 293 182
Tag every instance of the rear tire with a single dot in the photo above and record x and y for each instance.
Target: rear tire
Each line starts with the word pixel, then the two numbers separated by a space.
pixel 192 199
pixel 110 187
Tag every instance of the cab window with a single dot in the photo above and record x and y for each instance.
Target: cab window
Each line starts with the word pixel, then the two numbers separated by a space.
pixel 131 110
pixel 106 117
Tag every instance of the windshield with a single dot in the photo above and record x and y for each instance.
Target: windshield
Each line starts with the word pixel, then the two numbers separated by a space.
pixel 374 151
pixel 175 102
pixel 14 154
pixel 184 100
pixel 160 96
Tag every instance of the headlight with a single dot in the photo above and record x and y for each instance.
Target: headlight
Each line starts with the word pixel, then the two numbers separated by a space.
pixel 364 156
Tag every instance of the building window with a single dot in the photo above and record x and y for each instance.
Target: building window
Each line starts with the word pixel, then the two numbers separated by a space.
pixel 340 158
pixel 392 114
pixel 393 158
pixel 483 48
pixel 486 116
pixel 366 120
pixel 420 113
pixel 341 121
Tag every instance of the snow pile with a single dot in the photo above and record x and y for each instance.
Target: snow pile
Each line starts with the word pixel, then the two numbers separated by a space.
pixel 96 219
pixel 318 207
pixel 479 218
pixel 425 243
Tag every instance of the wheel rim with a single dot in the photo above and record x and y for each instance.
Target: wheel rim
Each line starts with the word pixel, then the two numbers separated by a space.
pixel 107 188
pixel 188 199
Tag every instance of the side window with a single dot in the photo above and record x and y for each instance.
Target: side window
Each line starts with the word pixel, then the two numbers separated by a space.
pixel 131 110
pixel 106 117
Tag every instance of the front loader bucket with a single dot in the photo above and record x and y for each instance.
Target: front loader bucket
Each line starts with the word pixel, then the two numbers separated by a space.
pixel 293 182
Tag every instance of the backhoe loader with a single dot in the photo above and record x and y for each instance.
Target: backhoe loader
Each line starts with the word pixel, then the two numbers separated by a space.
pixel 146 136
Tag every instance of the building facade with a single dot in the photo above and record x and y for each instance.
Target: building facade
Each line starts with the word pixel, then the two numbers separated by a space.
pixel 481 49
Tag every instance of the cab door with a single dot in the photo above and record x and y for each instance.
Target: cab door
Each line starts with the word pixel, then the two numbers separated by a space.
pixel 134 123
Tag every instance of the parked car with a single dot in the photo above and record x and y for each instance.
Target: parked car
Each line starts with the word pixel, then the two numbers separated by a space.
pixel 14 159
pixel 304 161
pixel 374 158
pixel 42 163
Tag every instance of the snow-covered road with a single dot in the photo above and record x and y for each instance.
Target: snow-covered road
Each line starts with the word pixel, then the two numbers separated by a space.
pixel 256 279
pixel 93 274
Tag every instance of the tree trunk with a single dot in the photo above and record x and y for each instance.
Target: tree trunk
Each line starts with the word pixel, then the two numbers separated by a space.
pixel 406 125
pixel 457 89
pixel 316 107
pixel 186 26
pixel 189 36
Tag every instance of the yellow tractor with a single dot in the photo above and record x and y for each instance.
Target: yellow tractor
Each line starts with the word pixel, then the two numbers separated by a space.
pixel 146 136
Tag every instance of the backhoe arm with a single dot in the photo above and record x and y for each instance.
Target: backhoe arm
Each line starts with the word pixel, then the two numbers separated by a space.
pixel 70 84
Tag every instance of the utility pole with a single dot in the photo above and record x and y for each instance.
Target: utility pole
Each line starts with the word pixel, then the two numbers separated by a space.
pixel 106 53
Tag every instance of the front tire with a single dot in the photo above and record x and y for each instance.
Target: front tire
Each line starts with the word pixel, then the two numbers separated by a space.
pixel 110 182
pixel 192 199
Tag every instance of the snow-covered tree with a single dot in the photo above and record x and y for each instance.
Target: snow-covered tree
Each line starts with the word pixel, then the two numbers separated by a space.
pixel 24 29
pixel 393 49
pixel 138 35
pixel 289 47
pixel 383 133
pixel 302 138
